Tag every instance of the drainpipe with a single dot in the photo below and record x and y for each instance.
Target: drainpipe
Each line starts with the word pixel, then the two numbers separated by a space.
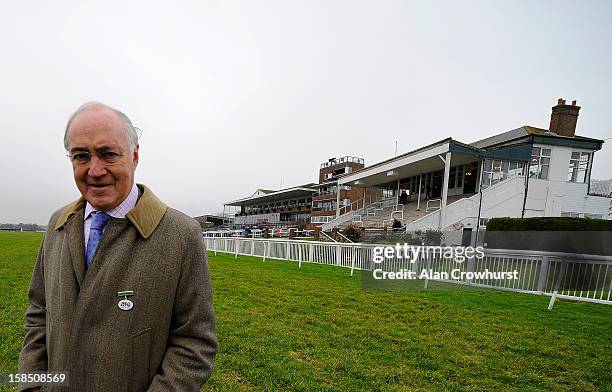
pixel 590 170
pixel 526 188
pixel 479 202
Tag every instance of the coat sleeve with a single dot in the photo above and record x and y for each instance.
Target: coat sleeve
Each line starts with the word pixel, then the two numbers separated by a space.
pixel 192 343
pixel 33 356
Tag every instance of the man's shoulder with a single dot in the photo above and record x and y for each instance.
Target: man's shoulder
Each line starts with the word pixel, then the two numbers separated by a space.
pixel 181 220
pixel 60 212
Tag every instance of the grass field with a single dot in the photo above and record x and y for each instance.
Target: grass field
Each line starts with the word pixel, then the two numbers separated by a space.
pixel 281 327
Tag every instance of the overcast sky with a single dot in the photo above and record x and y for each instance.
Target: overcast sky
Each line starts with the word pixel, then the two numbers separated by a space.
pixel 236 95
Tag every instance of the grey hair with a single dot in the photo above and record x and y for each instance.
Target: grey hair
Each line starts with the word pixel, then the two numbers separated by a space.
pixel 131 131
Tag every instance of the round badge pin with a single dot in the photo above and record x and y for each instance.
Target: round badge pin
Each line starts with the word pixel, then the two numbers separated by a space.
pixel 125 304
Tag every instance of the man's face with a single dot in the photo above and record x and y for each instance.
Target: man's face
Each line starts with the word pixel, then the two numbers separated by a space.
pixel 104 183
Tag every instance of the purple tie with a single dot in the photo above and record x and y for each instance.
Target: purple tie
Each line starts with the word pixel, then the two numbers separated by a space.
pixel 99 221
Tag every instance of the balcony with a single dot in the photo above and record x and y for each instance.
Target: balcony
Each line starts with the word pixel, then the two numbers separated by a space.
pixel 299 207
pixel 337 161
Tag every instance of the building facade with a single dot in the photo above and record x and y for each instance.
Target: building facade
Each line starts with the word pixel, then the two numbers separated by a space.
pixel 330 198
pixel 290 207
pixel 447 185
pixel 450 185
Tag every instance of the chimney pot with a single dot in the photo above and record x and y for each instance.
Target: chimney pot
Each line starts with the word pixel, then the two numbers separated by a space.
pixel 560 101
pixel 574 102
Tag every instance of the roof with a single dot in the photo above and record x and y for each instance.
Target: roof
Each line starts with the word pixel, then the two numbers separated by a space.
pixel 282 194
pixel 522 132
pixel 601 188
pixel 436 144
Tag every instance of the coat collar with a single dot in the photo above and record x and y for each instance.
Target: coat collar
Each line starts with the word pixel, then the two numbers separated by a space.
pixel 146 216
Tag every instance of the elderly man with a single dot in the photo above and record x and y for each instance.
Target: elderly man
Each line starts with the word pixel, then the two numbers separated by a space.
pixel 120 296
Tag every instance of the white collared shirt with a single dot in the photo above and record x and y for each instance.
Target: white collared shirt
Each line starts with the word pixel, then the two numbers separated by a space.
pixel 118 212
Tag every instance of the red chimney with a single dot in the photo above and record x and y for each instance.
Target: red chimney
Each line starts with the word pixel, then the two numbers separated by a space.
pixel 563 118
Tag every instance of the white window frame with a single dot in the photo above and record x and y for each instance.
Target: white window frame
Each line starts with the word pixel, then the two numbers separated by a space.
pixel 578 167
pixel 538 161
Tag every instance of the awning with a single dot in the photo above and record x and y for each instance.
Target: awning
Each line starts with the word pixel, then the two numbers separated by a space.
pixel 297 192
pixel 428 159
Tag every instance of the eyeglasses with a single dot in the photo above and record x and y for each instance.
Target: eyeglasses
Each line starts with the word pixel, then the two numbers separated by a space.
pixel 83 157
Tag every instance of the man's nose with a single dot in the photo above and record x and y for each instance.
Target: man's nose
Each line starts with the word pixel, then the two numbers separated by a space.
pixel 97 167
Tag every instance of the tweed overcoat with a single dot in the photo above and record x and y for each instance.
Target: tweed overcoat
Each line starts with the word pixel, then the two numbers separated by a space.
pixel 166 342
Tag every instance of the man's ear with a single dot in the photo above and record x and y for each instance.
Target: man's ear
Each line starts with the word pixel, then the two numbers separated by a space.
pixel 135 155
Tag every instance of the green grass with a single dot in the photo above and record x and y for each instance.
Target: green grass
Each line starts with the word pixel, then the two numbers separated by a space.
pixel 280 327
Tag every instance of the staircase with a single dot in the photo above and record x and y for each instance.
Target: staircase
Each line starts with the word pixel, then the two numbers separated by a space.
pixel 502 199
pixel 380 214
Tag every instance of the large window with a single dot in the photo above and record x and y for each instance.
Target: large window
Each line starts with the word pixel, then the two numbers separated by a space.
pixel 326 205
pixel 496 170
pixel 578 167
pixel 540 163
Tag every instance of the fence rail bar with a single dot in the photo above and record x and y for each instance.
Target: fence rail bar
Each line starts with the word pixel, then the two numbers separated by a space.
pixel 538 272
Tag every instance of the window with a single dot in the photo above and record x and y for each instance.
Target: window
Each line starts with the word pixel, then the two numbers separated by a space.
pixel 515 168
pixel 570 214
pixel 540 163
pixel 495 170
pixel 578 167
pixel 327 205
pixel 459 176
pixel 321 219
pixel 451 177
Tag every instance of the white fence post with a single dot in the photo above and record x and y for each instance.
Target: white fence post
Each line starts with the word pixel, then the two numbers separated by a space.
pixel 252 247
pixel 266 247
pixel 338 251
pixel 428 269
pixel 543 274
pixel 470 268
pixel 300 255
pixel 288 255
pixel 354 250
pixel 236 246
pixel 310 253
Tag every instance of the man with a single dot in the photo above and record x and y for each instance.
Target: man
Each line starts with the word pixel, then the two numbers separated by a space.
pixel 120 296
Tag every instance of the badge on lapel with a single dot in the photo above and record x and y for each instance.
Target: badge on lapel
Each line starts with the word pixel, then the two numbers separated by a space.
pixel 125 304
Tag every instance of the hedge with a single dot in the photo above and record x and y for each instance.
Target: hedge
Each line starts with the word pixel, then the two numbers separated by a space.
pixel 549 224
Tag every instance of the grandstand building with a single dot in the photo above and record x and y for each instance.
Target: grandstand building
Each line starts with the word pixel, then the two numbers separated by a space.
pixel 451 185
pixel 284 207
pixel 331 199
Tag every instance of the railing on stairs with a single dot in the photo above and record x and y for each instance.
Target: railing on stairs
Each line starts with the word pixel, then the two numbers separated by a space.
pixel 466 207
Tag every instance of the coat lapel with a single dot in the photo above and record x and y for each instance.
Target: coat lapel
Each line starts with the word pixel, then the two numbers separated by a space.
pixel 76 244
pixel 146 216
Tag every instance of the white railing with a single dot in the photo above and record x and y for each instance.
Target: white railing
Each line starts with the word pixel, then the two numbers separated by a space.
pixel 558 275
pixel 345 238
pixel 327 236
pixel 362 206
pixel 509 192
pixel 436 204
pixel 322 218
